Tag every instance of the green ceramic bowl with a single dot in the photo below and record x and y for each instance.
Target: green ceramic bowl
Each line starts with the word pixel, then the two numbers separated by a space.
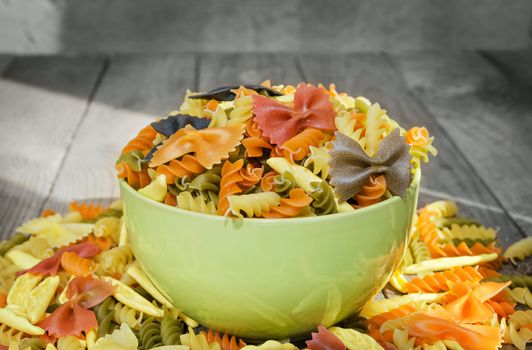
pixel 268 278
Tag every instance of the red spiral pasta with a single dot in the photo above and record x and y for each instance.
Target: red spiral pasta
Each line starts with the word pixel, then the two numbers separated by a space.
pixel 77 265
pixel 290 207
pixel 229 184
pixel 142 142
pixel 226 342
pixel 371 192
pixel 440 280
pixel 176 169
pixel 297 147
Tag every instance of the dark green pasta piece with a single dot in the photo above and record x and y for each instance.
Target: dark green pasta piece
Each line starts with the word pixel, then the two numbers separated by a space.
pixel 13 241
pixel 208 181
pixel 150 334
pixel 32 343
pixel 105 317
pixel 517 280
pixel 171 330
pixel 284 183
pixel 182 184
pixel 470 241
pixel 323 199
pixel 143 292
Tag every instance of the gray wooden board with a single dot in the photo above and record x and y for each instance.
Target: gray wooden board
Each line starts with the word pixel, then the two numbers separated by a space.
pixel 491 122
pixel 515 63
pixel 449 175
pixel 5 61
pixel 134 92
pixel 36 126
pixel 229 69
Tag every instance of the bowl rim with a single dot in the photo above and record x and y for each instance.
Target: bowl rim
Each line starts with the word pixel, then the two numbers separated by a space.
pixel 389 201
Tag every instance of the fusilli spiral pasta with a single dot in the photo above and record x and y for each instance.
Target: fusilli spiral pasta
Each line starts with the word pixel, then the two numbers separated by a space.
pixel 229 184
pixel 77 265
pixel 114 261
pixel 252 205
pixel 176 169
pixel 323 199
pixel 171 331
pixel 149 335
pixel 186 201
pixel 142 142
pixel 419 250
pixel 290 207
pixel 318 159
pixel 105 314
pixel 520 250
pixel 439 281
pixel 420 144
pixel 284 183
pixel 371 192
pixel 297 147
pixel 463 232
pixel 226 342
pixel 522 295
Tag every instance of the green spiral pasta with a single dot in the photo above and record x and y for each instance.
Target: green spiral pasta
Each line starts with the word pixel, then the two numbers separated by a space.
pixel 171 330
pixel 105 314
pixel 323 199
pixel 517 280
pixel 283 183
pixel 32 344
pixel 470 233
pixel 149 335
pixel 13 241
pixel 254 204
pixel 181 184
pixel 420 251
pixel 346 125
pixel 448 222
pixel 207 183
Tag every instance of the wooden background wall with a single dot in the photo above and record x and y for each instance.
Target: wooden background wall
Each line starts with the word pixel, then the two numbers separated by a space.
pixel 125 26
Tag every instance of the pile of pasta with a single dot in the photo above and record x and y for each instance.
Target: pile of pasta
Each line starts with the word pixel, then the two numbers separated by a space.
pixel 274 152
pixel 72 282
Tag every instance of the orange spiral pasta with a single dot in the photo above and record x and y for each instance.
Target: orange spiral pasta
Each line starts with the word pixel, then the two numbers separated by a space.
pixel 266 183
pixel 255 146
pixel 88 211
pixel 417 136
pixel 226 342
pixel 450 250
pixel 253 129
pixel 297 147
pixel 229 184
pixel 134 179
pixel 487 272
pixel 47 212
pixel 250 176
pixel 376 322
pixel 440 280
pixel 290 207
pixel 177 169
pixel 103 242
pixel 77 265
pixel 371 192
pixel 277 152
pixel 3 299
pixel 502 308
pixel 142 142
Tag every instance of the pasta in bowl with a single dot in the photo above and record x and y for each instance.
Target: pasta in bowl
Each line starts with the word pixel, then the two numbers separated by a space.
pixel 262 211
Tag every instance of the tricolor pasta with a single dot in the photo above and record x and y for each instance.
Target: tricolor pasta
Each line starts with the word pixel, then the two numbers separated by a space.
pixel 219 144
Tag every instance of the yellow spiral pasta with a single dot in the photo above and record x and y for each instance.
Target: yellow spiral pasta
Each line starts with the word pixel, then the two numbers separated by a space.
pixel 519 250
pixel 402 341
pixel 191 106
pixel 114 261
pixel 107 227
pixel 242 110
pixel 419 250
pixel 253 205
pixel 378 307
pixel 37 247
pixel 442 209
pixel 125 314
pixel 522 295
pixel 319 158
pixel 71 343
pixel 9 335
pixel 198 341
pixel 7 274
pixel 198 203
pixel 377 127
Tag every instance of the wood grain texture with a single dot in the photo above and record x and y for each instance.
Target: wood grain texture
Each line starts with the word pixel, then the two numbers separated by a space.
pixel 449 175
pixel 488 116
pixel 133 88
pixel 37 124
pixel 111 26
pixel 515 64
pixel 230 69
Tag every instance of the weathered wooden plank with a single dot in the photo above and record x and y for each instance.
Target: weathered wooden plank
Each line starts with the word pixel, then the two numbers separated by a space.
pixel 490 123
pixel 134 92
pixel 37 121
pixel 229 69
pixel 516 64
pixel 5 61
pixel 449 175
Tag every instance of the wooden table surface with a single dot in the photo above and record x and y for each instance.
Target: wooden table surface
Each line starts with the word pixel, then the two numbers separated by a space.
pixel 63 120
